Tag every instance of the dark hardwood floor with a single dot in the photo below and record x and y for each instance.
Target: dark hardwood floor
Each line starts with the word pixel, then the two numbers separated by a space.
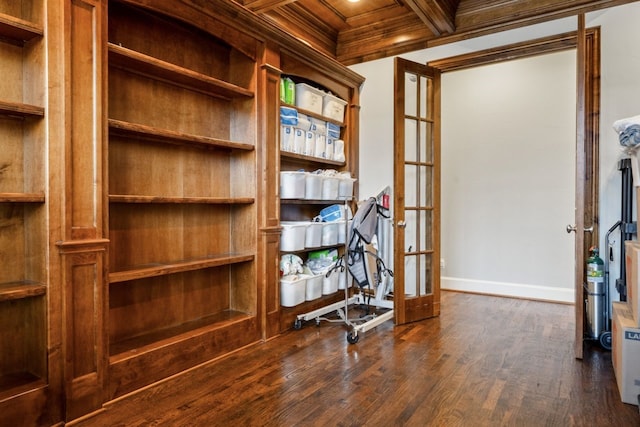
pixel 486 361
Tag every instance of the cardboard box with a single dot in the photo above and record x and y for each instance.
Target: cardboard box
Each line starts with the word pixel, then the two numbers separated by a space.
pixel 632 264
pixel 625 353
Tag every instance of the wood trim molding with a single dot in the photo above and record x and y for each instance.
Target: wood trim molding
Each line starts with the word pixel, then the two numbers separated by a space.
pixel 545 45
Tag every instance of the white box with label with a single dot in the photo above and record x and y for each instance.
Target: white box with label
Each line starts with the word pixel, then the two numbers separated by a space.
pixel 625 353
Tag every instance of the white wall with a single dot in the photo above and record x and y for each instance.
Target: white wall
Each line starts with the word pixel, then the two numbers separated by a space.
pixel 508 177
pixel 620 90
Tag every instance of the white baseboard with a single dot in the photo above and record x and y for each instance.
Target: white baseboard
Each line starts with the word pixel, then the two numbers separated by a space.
pixel 515 290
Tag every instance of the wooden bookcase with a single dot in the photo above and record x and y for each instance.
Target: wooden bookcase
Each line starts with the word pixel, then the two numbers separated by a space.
pixel 139 200
pixel 182 211
pixel 23 240
pixel 300 69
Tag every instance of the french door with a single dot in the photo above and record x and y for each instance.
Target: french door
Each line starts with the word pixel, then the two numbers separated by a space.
pixel 416 192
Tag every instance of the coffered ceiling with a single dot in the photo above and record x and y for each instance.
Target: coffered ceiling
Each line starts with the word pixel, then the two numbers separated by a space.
pixel 354 32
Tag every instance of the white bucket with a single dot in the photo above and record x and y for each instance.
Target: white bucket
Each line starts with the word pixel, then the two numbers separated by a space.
pixel 345 188
pixel 293 236
pixel 330 233
pixel 313 235
pixel 314 287
pixel 292 185
pixel 313 186
pixel 292 290
pixel 330 187
pixel 343 279
pixel 330 284
pixel 342 231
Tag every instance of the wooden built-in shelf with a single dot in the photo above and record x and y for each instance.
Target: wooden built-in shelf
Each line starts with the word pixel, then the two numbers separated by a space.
pixel 312 202
pixel 126 198
pixel 22 289
pixel 313 114
pixel 144 132
pixel 137 346
pixel 16 29
pixel 21 198
pixel 19 383
pixel 16 109
pixel 311 159
pixel 163 269
pixel 149 66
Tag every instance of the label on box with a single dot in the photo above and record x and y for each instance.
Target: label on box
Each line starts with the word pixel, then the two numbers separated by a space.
pixel 630 335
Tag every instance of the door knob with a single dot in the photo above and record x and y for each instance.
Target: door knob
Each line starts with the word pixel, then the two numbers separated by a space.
pixel 573 228
pixel 401 224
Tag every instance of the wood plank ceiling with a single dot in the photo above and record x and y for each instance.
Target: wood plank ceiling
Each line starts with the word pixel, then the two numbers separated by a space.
pixel 354 32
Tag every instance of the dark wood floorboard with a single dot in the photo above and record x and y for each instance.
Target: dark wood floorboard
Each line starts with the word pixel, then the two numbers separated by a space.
pixel 486 361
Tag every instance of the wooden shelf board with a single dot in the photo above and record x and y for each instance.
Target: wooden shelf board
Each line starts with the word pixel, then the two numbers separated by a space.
pixel 19 383
pixel 313 114
pixel 312 202
pixel 20 110
pixel 22 197
pixel 149 66
pixel 163 269
pixel 129 198
pixel 19 290
pixel 127 129
pixel 18 29
pixel 136 346
pixel 302 157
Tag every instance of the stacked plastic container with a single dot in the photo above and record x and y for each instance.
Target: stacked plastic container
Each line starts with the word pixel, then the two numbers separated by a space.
pixel 322 184
pixel 310 125
pixel 311 136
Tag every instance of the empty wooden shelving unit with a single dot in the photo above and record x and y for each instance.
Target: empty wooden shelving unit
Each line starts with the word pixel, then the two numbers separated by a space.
pixel 139 202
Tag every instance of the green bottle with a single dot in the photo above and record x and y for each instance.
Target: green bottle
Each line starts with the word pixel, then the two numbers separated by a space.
pixel 595 266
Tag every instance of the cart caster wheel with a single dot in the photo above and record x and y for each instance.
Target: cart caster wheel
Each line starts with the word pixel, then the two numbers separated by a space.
pixel 297 324
pixel 352 337
pixel 605 340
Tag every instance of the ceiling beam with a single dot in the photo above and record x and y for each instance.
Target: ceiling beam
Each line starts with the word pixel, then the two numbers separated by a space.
pixel 433 13
pixel 262 6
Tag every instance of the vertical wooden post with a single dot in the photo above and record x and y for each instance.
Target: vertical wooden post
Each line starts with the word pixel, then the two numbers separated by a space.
pixel 580 184
pixel 81 245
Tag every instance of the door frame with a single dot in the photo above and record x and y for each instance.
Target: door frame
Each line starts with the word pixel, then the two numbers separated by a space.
pixel 586 42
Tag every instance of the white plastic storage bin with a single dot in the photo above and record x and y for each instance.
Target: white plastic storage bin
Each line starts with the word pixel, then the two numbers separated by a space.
pixel 343 279
pixel 313 186
pixel 292 185
pixel 330 284
pixel 333 107
pixel 345 188
pixel 293 290
pixel 330 233
pixel 314 287
pixel 293 235
pixel 309 98
pixel 313 235
pixel 330 188
pixel 342 231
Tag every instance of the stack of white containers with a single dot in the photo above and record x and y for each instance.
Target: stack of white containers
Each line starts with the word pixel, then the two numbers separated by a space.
pixel 309 282
pixel 322 184
pixel 311 136
pixel 626 330
pixel 308 135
